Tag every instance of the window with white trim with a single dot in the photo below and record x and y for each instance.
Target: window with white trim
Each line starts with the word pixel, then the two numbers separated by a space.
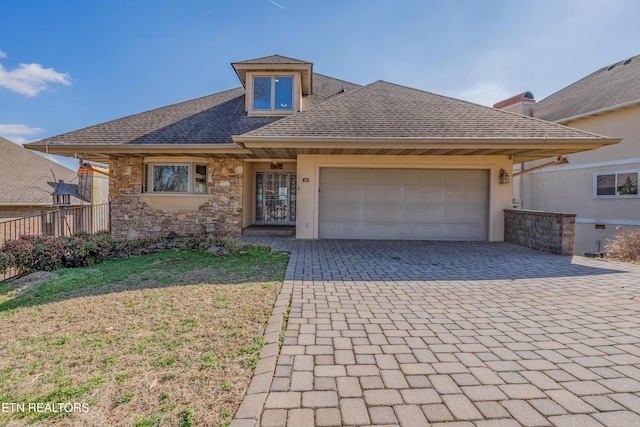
pixel 175 178
pixel 616 184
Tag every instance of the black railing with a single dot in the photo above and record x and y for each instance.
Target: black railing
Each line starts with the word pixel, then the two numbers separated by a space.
pixel 65 221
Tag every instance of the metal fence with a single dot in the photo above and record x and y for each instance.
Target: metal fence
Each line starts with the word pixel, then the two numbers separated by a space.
pixel 89 219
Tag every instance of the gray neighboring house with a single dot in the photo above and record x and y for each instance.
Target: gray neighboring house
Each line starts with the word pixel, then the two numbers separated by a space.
pixel 27 181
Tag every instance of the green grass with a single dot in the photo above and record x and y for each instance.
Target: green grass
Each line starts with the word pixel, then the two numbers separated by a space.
pixel 167 268
pixel 145 341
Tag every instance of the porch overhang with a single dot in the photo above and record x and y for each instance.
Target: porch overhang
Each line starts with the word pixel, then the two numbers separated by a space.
pixel 520 150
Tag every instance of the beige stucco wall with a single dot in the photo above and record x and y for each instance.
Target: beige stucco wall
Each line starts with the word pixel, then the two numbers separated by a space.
pixel 308 166
pixel 249 192
pixel 570 188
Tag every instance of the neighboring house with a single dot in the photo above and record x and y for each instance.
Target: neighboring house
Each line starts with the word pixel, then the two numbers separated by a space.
pixel 600 186
pixel 28 180
pixel 338 160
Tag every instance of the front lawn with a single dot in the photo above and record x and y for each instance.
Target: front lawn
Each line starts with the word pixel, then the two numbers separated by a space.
pixel 164 339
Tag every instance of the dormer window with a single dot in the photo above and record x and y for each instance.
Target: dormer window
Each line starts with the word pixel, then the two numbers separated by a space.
pixel 273 93
pixel 274 84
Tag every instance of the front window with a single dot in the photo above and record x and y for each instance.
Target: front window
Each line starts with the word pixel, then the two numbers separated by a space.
pixel 175 178
pixel 273 93
pixel 616 184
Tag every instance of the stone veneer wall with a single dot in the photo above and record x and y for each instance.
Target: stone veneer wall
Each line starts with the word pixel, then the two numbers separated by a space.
pixel 131 217
pixel 551 232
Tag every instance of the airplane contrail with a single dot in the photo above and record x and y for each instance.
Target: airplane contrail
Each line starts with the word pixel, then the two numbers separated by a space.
pixel 272 2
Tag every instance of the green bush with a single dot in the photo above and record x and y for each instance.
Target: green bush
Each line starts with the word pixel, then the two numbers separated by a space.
pixel 6 261
pixel 45 253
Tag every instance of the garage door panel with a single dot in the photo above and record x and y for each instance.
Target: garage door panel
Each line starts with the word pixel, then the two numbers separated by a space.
pixel 372 213
pixel 432 194
pixel 431 232
pixel 403 204
pixel 432 177
pixel 412 194
pixel 391 194
pixel 414 214
pixel 370 176
pixel 392 214
pixel 411 177
pixel 335 178
pixel 371 195
pixel 392 177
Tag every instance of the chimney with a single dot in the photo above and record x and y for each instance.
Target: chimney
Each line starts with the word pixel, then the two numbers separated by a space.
pixel 521 104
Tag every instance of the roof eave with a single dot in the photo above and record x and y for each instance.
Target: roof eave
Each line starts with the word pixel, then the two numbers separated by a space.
pixel 251 141
pixel 598 112
pixel 109 150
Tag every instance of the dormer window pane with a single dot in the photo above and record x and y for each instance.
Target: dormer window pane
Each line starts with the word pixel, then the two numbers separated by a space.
pixel 273 93
pixel 262 93
pixel 284 93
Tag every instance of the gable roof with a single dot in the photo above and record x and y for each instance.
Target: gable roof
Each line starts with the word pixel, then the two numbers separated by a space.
pixel 203 125
pixel 26 178
pixel 611 87
pixel 272 59
pixel 385 118
pixel 277 63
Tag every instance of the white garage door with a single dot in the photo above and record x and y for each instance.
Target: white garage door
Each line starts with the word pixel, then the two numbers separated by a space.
pixel 407 204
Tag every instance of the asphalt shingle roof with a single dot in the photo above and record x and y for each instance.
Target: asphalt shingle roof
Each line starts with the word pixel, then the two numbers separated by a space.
pixel 211 119
pixel 610 86
pixel 386 110
pixel 273 59
pixel 26 177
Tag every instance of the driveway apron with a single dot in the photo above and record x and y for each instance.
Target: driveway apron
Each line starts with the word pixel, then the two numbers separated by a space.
pixel 452 334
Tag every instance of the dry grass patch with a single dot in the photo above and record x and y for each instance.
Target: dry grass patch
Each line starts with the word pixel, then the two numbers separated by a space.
pixel 163 339
pixel 625 247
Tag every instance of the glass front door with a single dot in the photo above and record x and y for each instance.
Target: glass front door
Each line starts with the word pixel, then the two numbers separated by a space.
pixel 275 198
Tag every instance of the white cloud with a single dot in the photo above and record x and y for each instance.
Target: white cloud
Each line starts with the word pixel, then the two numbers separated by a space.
pixel 19 130
pixel 16 133
pixel 17 139
pixel 485 93
pixel 31 79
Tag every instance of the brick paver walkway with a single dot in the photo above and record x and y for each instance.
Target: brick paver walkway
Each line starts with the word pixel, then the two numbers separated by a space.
pixel 455 334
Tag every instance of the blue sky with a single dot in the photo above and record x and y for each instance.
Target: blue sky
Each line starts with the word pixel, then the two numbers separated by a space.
pixel 69 64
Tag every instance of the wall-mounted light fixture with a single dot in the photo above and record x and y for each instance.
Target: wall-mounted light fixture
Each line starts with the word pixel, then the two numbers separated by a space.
pixel 504 176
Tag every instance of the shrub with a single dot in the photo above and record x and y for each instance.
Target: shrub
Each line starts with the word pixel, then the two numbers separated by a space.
pixel 34 253
pixel 88 249
pixel 625 246
pixel 6 261
pixel 45 253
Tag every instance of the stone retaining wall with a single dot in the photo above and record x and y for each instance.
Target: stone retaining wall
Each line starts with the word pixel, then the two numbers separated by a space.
pixel 551 232
pixel 132 217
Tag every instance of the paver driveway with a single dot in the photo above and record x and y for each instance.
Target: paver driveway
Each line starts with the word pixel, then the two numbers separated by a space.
pixel 455 334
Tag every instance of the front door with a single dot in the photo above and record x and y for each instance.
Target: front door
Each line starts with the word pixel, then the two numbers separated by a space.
pixel 275 198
